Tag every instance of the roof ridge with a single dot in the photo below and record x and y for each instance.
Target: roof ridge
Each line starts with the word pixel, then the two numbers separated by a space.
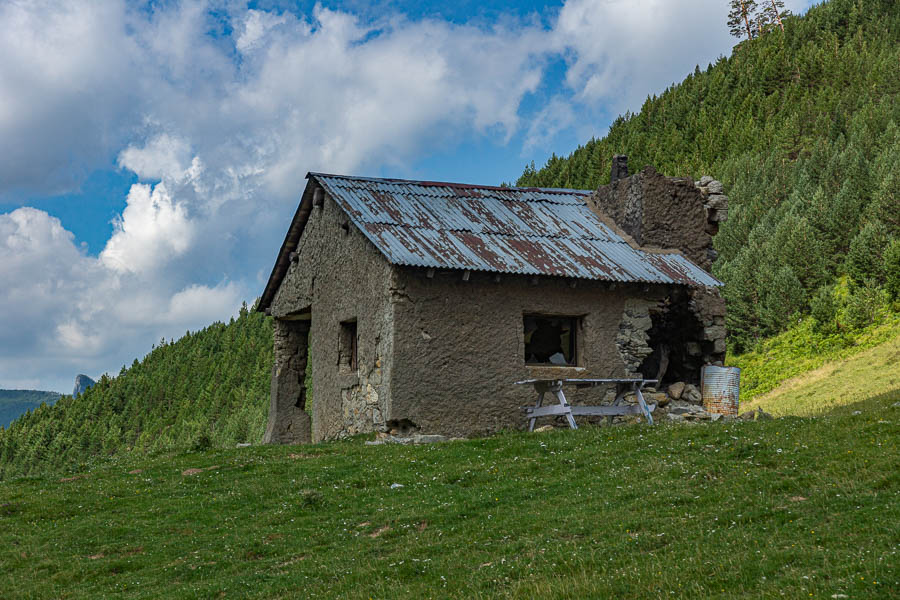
pixel 451 184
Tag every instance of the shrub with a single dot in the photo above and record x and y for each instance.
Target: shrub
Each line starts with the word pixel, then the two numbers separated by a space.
pixel 824 308
pixel 892 269
pixel 864 306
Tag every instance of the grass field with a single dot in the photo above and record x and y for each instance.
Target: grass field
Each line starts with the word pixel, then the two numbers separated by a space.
pixel 802 349
pixel 792 507
pixel 869 373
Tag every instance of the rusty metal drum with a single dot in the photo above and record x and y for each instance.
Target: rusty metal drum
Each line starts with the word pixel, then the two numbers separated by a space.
pixel 720 387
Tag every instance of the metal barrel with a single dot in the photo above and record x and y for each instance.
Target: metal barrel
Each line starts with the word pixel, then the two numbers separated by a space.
pixel 720 387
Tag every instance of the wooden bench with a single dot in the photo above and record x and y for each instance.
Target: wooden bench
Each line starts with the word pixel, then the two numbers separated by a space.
pixel 555 387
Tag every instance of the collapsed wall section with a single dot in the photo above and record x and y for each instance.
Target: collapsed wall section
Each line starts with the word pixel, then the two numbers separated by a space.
pixel 659 213
pixel 289 423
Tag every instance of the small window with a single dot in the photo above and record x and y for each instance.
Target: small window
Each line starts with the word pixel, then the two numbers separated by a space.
pixel 551 340
pixel 347 346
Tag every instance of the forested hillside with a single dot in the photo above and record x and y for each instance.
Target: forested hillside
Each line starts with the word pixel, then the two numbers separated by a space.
pixel 210 388
pixel 16 402
pixel 802 126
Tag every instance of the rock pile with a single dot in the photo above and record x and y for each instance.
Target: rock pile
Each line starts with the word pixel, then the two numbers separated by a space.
pixel 679 402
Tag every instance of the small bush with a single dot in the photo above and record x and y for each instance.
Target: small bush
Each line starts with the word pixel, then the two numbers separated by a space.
pixel 863 307
pixel 892 269
pixel 823 309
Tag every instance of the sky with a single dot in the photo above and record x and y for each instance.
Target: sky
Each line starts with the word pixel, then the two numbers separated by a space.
pixel 152 153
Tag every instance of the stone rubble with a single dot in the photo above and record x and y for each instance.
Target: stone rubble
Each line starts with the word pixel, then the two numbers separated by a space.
pixel 419 438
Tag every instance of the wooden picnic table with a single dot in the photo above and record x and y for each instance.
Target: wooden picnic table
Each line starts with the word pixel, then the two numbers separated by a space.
pixel 555 387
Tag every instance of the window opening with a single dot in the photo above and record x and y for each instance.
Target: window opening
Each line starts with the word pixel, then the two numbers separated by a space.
pixel 347 348
pixel 551 340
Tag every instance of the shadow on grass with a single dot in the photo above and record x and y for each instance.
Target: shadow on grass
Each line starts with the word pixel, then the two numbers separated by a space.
pixel 879 403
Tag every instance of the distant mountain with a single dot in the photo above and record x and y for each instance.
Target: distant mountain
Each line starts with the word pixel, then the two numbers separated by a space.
pixel 82 384
pixel 14 403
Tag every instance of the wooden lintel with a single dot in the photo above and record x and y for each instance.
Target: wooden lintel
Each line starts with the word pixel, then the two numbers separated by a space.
pixel 298 316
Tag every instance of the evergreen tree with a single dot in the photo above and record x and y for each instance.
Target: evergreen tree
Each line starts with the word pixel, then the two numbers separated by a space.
pixel 740 18
pixel 769 15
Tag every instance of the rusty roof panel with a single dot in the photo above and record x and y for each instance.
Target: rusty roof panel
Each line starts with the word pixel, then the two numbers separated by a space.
pixel 527 231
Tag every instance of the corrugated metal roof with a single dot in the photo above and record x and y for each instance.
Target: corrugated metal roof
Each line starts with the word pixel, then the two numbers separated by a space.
pixel 533 231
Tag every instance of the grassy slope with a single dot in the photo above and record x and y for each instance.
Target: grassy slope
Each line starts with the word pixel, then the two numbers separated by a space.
pixel 801 350
pixel 793 507
pixel 870 372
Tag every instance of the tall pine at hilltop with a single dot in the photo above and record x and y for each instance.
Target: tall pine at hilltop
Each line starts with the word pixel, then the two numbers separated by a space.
pixel 803 126
pixel 210 388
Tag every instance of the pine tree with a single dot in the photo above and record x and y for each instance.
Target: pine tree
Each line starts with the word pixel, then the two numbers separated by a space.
pixel 769 15
pixel 740 20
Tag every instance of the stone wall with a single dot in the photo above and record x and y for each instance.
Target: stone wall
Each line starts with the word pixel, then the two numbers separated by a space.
pixel 339 276
pixel 656 212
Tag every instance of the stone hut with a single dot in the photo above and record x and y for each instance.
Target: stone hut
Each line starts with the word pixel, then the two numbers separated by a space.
pixel 418 304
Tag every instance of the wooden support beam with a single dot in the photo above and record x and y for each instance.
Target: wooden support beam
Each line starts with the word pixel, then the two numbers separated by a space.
pixel 466 275
pixel 429 273
pixel 319 197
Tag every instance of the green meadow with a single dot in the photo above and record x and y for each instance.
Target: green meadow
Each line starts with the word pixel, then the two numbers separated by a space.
pixel 792 507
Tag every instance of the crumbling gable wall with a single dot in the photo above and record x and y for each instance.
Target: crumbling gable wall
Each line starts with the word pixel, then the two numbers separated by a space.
pixel 669 213
pixel 336 276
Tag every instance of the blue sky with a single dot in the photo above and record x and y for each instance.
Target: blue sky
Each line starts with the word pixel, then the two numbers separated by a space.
pixel 151 154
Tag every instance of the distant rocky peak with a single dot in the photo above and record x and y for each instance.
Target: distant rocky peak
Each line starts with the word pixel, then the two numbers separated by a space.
pixel 82 383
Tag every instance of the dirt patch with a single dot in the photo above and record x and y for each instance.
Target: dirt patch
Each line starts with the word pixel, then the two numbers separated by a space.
pixel 188 472
pixel 75 478
pixel 380 531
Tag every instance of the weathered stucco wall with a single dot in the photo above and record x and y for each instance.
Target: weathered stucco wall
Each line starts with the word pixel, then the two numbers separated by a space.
pixel 340 276
pixel 460 345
